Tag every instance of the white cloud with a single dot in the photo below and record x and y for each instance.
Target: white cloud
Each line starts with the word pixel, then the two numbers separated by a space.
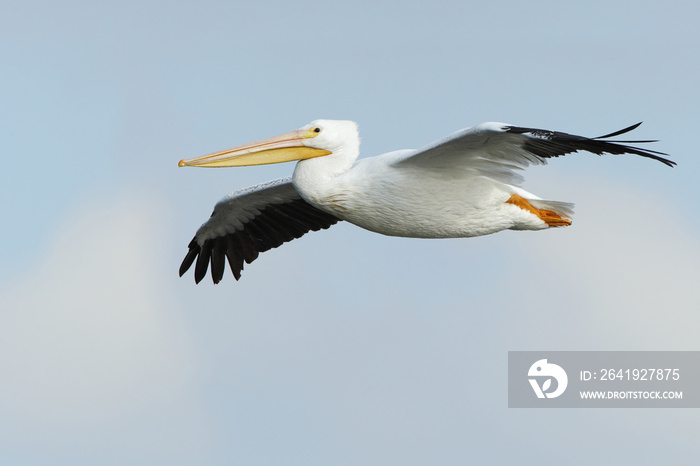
pixel 627 268
pixel 90 339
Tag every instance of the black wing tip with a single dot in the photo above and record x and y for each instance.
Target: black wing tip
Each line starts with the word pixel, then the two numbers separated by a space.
pixel 564 143
pixel 665 161
pixel 217 257
pixel 622 131
pixel 202 264
pixel 192 254
pixel 272 227
pixel 652 154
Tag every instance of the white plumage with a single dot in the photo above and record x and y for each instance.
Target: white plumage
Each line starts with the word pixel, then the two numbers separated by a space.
pixel 463 185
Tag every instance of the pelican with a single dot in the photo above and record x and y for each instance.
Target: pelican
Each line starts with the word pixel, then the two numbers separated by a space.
pixel 466 184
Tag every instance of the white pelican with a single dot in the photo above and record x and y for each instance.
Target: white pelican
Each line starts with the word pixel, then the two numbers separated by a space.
pixel 463 185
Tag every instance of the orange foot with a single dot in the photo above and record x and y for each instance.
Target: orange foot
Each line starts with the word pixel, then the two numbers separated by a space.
pixel 550 217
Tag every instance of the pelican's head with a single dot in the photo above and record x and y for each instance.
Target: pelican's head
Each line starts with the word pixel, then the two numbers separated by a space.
pixel 333 135
pixel 318 138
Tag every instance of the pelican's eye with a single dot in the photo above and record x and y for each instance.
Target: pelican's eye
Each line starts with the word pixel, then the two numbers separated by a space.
pixel 312 132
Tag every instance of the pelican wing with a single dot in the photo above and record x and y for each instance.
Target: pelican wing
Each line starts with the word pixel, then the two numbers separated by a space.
pixel 497 149
pixel 248 222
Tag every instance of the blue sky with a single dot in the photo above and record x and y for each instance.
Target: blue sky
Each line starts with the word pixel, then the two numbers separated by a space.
pixel 343 347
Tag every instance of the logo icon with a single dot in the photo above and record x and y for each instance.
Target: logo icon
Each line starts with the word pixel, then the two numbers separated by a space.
pixel 547 371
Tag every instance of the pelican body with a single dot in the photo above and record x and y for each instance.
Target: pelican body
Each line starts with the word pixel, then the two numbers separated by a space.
pixel 464 185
